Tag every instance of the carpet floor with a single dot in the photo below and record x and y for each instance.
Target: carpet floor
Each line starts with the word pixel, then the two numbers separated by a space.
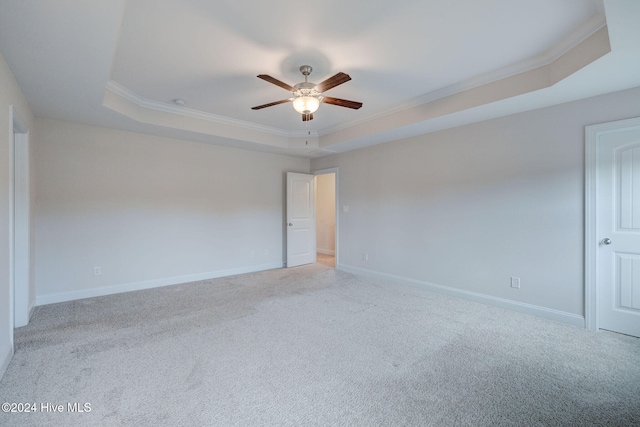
pixel 312 346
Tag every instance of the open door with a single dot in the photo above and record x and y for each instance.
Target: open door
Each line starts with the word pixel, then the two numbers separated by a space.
pixel 301 219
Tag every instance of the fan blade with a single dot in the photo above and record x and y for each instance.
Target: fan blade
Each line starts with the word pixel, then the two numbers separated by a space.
pixel 342 102
pixel 271 104
pixel 307 117
pixel 332 82
pixel 276 82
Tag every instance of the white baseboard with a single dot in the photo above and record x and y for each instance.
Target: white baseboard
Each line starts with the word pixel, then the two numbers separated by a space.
pixel 137 286
pixel 32 307
pixel 5 358
pixel 534 310
pixel 326 251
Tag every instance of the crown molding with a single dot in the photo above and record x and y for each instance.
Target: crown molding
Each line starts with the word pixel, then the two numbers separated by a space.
pixel 134 98
pixel 578 36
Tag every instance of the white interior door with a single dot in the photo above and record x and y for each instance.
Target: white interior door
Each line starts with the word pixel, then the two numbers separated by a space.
pixel 301 219
pixel 618 230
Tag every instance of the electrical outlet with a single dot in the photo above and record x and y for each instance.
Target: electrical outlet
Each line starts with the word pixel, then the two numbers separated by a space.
pixel 97 271
pixel 515 282
pixel 253 254
pixel 365 257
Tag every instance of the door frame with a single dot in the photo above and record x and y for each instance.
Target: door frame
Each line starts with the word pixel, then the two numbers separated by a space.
pixel 337 213
pixel 592 137
pixel 19 225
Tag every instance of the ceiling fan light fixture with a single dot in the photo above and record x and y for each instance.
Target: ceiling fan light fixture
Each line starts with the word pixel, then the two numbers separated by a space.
pixel 307 96
pixel 306 104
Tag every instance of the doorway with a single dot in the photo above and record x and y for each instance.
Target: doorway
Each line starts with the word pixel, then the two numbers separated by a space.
pixel 326 217
pixel 20 250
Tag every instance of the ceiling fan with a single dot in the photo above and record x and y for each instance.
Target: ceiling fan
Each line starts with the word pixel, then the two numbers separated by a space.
pixel 307 96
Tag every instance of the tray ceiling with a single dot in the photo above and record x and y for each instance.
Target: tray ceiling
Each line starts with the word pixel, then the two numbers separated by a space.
pixel 416 66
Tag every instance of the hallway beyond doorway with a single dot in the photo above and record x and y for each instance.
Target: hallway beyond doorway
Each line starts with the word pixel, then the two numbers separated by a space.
pixel 328 260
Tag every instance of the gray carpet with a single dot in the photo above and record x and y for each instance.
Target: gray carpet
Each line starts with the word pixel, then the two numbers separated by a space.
pixel 311 346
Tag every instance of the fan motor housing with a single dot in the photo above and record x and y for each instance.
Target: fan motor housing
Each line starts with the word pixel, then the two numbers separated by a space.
pixel 305 85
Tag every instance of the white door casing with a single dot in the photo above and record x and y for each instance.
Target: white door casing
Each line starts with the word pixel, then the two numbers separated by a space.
pixel 613 221
pixel 301 219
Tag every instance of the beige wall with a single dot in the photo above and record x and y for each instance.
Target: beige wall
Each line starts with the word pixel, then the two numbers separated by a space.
pixel 10 94
pixel 326 214
pixel 467 208
pixel 150 211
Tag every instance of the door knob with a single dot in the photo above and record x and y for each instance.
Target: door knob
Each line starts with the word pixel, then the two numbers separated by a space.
pixel 606 241
pixel 291 225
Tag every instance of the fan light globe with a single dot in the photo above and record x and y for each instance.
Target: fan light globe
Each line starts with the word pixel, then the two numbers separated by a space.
pixel 306 104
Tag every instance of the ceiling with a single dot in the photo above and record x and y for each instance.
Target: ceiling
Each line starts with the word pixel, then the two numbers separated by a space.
pixel 417 67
